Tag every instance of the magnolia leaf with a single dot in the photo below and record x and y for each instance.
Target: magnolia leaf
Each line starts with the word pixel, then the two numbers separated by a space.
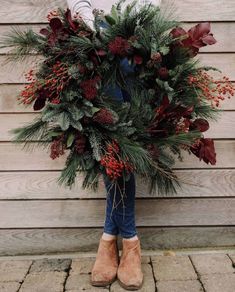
pixel 110 19
pixel 87 102
pixel 54 133
pixel 164 50
pixel 63 120
pixel 77 125
pixel 94 110
pixel 70 139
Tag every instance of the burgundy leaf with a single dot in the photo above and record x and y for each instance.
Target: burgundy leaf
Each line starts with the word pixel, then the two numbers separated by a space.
pixel 201 124
pixel 209 39
pixel 177 32
pixel 74 25
pixel 44 31
pixel 205 150
pixel 39 104
pixel 56 24
pixel 199 30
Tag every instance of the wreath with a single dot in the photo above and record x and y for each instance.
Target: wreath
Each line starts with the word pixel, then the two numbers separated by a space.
pixel 150 59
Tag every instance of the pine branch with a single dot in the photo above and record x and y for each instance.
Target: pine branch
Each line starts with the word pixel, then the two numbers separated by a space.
pixel 69 173
pixel 35 131
pixel 22 43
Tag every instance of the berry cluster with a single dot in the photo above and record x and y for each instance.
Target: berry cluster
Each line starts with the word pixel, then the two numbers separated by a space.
pixel 113 163
pixel 52 14
pixel 57 80
pixel 212 90
pixel 27 95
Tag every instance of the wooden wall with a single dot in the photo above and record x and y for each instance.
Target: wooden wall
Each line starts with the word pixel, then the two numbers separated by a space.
pixel 36 216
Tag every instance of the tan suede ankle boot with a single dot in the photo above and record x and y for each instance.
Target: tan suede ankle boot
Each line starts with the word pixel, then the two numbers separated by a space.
pixel 104 270
pixel 130 275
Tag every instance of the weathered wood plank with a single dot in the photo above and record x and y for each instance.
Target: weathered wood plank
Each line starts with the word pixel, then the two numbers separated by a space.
pixel 28 11
pixel 221 61
pixel 13 157
pixel 8 102
pixel 33 11
pixel 8 99
pixel 90 213
pixel 223 32
pixel 46 241
pixel 14 72
pixel 43 185
pixel 221 129
pixel 216 10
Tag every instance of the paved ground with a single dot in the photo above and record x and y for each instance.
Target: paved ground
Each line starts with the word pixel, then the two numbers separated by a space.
pixel 208 272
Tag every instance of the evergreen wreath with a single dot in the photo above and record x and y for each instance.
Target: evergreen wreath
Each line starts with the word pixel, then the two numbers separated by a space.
pixel 172 96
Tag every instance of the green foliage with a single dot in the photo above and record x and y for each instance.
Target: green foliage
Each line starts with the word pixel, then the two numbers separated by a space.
pixel 73 57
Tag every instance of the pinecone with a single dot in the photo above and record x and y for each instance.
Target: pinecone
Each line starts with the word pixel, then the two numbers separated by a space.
pixel 103 116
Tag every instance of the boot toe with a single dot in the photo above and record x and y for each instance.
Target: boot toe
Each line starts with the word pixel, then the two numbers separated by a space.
pixel 134 281
pixel 103 277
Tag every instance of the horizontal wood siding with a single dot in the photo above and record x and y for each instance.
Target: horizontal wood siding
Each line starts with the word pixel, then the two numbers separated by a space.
pixel 38 216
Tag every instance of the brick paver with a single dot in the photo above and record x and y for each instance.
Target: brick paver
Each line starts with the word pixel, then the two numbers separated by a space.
pixel 179 286
pixel 212 272
pixel 44 281
pixel 173 268
pixel 9 286
pixel 212 264
pixel 219 283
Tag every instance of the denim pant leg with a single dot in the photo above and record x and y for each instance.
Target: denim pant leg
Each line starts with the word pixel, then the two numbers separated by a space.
pixel 120 207
pixel 120 203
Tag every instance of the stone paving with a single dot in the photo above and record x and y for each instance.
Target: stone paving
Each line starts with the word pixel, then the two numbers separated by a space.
pixel 197 272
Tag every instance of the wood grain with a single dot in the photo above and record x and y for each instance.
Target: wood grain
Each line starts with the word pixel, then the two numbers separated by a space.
pixel 225 41
pixel 43 185
pixel 90 213
pixel 14 157
pixel 8 102
pixel 213 10
pixel 46 241
pixel 33 11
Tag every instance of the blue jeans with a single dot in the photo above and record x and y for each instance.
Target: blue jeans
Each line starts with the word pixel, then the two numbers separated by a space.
pixel 120 202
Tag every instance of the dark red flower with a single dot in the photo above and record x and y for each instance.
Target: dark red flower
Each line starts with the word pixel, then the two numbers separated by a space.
pixel 205 149
pixel 196 37
pixel 201 124
pixel 89 88
pixel 119 46
pixel 103 116
pixel 163 73
pixel 138 59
